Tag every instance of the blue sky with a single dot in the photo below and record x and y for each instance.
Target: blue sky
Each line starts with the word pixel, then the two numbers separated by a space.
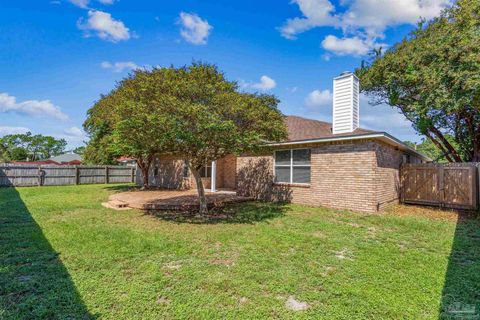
pixel 57 57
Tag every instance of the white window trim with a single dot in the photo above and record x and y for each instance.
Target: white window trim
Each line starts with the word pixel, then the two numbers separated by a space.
pixel 291 166
pixel 205 170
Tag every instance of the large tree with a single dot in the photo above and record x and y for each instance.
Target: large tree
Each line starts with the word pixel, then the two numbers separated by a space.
pixel 193 112
pixel 27 146
pixel 433 78
pixel 213 119
pixel 130 122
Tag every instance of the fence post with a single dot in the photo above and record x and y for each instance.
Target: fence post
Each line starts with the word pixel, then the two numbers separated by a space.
pixel 106 174
pixel 39 173
pixel 77 175
pixel 133 175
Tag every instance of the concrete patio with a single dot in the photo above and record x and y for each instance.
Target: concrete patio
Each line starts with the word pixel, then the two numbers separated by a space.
pixel 175 200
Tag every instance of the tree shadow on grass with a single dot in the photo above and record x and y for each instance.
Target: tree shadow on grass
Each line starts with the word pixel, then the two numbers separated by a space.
pixel 34 284
pixel 237 213
pixel 461 292
pixel 123 187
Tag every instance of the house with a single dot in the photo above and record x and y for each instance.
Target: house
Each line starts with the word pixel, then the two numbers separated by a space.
pixel 127 161
pixel 336 164
pixel 67 159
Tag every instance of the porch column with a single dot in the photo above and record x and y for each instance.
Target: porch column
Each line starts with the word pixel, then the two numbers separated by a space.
pixel 213 183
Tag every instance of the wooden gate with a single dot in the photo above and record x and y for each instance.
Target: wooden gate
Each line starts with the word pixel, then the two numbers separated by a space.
pixel 446 185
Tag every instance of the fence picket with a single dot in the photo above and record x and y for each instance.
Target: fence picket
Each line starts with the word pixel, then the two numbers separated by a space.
pixel 451 185
pixel 33 175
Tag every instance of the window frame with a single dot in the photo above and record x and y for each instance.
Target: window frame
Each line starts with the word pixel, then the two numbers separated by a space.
pixel 291 166
pixel 204 170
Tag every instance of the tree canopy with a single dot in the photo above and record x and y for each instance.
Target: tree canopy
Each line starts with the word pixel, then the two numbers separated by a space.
pixel 428 148
pixel 433 78
pixel 193 112
pixel 29 147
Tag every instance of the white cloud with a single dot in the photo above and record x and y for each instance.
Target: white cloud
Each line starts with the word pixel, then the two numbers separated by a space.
pixel 84 3
pixel 104 26
pixel 266 83
pixel 319 98
pixel 31 107
pixel 350 46
pixel 316 13
pixel 374 16
pixel 75 132
pixel 194 29
pixel 81 3
pixel 119 66
pixel 4 130
pixel 365 20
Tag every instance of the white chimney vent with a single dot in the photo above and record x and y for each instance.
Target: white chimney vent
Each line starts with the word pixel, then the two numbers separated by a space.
pixel 346 103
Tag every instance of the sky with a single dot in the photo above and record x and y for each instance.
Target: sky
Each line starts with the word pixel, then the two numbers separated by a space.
pixel 57 57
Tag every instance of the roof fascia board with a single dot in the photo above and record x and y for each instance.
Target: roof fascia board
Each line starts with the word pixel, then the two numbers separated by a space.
pixel 376 135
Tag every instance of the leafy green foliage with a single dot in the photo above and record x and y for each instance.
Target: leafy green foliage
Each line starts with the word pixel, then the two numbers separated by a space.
pixel 79 150
pixel 432 77
pixel 192 111
pixel 30 147
pixel 428 148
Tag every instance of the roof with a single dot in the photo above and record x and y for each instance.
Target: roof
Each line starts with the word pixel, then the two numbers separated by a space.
pixel 67 157
pixel 36 162
pixel 302 130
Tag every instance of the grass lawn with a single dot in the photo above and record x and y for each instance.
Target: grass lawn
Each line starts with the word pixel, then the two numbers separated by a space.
pixel 64 256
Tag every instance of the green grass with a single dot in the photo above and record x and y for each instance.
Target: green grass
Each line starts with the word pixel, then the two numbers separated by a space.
pixel 64 256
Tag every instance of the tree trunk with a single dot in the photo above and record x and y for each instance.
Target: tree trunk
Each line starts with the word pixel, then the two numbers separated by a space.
pixel 144 165
pixel 440 146
pixel 446 144
pixel 476 152
pixel 201 192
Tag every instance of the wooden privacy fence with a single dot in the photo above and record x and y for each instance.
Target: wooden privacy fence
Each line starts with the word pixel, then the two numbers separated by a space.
pixel 452 185
pixel 51 175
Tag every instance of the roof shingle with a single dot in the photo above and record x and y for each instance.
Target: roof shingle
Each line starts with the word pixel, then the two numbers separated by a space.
pixel 304 129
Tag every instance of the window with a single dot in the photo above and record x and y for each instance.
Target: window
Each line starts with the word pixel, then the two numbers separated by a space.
pixel 206 171
pixel 292 166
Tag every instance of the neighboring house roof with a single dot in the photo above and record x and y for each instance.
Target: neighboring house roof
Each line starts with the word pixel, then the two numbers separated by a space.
pixel 67 157
pixel 41 162
pixel 302 130
pixel 125 159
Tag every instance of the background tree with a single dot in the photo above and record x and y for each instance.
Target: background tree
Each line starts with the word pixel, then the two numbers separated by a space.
pixel 99 125
pixel 79 150
pixel 433 78
pixel 30 147
pixel 130 122
pixel 428 148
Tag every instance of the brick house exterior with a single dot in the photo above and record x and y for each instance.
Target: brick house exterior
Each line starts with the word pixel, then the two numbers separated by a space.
pixel 338 165
pixel 356 172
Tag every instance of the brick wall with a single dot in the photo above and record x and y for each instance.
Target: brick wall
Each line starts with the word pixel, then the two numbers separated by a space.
pixel 387 176
pixel 170 173
pixel 342 176
pixel 357 175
